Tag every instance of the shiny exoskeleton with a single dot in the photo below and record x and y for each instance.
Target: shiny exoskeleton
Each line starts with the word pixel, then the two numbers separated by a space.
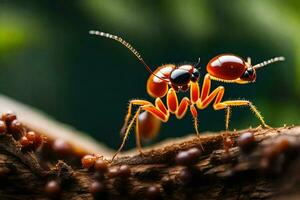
pixel 167 80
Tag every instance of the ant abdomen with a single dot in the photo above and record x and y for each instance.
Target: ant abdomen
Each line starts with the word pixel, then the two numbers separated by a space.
pixel 148 125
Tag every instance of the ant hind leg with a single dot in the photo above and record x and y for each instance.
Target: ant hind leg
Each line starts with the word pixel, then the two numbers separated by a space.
pixel 137 137
pixel 129 110
pixel 127 132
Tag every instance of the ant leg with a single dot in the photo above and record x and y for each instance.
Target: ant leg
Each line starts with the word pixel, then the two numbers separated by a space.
pixel 207 97
pixel 227 118
pixel 227 142
pixel 158 111
pixel 127 117
pixel 127 133
pixel 258 115
pixel 224 104
pixel 172 100
pixel 182 108
pixel 160 108
pixel 194 92
pixel 137 137
pixel 195 115
pixel 195 118
pixel 164 117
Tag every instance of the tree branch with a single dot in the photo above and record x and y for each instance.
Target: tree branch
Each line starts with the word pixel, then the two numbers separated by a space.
pixel 267 168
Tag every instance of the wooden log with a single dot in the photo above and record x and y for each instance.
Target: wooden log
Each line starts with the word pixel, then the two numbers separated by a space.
pixel 263 168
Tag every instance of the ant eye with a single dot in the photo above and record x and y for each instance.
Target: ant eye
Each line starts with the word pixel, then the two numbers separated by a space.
pixel 195 76
pixel 249 75
pixel 250 71
pixel 180 77
pixel 245 75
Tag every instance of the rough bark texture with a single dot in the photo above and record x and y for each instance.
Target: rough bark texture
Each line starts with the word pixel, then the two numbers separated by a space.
pixel 43 123
pixel 267 169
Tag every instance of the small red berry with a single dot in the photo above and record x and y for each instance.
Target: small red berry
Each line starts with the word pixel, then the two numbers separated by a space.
pixel 16 126
pixel 124 171
pixel 31 136
pixel 272 151
pixel 113 172
pixel 188 157
pixel 194 153
pixel 100 165
pixel 283 144
pixel 61 147
pixel 88 161
pixel 246 140
pixel 39 139
pixel 24 141
pixel 182 158
pixel 52 188
pixel 153 192
pixel 96 187
pixel 9 116
pixel 3 127
pixel 185 176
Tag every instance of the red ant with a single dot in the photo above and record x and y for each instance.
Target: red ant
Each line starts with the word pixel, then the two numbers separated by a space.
pixel 169 79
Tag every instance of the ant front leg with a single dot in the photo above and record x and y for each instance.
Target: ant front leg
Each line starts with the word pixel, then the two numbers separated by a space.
pixel 195 119
pixel 207 97
pixel 194 95
pixel 185 103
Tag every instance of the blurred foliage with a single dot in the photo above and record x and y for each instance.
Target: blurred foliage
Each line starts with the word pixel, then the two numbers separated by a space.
pixel 48 60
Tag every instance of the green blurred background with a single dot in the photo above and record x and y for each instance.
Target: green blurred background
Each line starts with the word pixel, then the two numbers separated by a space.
pixel 48 60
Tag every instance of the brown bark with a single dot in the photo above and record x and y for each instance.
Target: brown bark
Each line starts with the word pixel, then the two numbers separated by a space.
pixel 267 170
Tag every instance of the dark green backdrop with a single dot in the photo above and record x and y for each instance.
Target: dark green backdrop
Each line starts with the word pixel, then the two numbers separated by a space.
pixel 48 60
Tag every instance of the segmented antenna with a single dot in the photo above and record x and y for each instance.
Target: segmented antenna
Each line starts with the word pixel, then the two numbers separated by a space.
pixel 267 62
pixel 198 63
pixel 128 46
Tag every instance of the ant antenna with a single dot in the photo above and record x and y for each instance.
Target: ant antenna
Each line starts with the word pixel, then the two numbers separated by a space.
pixel 267 62
pixel 128 46
pixel 198 63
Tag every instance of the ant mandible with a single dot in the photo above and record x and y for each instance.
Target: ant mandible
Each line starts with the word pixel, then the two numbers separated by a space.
pixel 169 79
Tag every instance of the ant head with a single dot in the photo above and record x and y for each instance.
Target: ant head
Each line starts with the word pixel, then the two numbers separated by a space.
pixel 181 77
pixel 249 74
